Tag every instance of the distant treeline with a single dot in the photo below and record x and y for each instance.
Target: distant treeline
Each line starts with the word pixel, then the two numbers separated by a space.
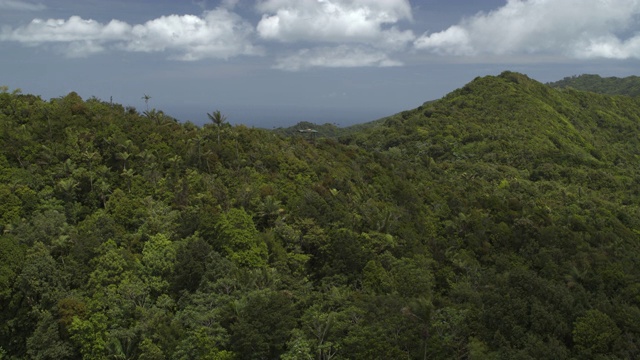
pixel 629 86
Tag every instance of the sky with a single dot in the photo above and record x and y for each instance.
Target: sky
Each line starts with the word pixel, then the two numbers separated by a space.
pixel 273 63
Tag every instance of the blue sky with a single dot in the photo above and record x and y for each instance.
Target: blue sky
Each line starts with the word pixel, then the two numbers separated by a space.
pixel 276 62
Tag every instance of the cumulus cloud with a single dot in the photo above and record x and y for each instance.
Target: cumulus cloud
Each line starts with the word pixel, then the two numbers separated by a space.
pixel 217 34
pixel 333 57
pixel 335 33
pixel 335 21
pixel 220 34
pixel 574 28
pixel 20 5
pixel 347 33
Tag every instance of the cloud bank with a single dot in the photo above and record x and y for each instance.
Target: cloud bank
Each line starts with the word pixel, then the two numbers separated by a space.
pixel 302 34
pixel 342 56
pixel 571 28
pixel 342 33
pixel 334 21
pixel 217 33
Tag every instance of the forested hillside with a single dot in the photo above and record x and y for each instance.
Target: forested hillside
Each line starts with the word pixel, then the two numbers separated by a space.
pixel 499 222
pixel 629 85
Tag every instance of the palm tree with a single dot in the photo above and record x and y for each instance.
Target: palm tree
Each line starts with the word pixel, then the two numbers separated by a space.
pixel 217 119
pixel 146 100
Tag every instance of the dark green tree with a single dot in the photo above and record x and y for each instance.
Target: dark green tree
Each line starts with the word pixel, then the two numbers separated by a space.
pixel 218 119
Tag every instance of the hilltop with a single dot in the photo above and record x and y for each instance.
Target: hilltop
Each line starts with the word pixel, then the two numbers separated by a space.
pixel 513 120
pixel 501 221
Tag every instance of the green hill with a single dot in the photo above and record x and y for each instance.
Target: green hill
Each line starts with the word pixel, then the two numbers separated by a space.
pixel 629 86
pixel 501 221
pixel 513 120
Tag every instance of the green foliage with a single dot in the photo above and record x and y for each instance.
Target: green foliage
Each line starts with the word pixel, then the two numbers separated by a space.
pixel 158 259
pixel 46 341
pixel 262 326
pixel 501 221
pixel 629 86
pixel 238 238
pixel 595 333
pixel 11 262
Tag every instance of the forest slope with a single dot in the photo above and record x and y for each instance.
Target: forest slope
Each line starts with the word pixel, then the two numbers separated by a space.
pixel 501 221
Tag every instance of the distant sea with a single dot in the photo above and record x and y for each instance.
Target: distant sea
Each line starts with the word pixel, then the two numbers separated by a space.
pixel 268 117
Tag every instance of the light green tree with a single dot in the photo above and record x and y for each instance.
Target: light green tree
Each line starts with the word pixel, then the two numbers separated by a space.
pixel 240 240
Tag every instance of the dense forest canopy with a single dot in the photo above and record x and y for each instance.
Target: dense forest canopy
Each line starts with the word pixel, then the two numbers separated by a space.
pixel 499 222
pixel 629 85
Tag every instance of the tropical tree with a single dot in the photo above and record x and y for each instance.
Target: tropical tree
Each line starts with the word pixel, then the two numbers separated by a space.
pixel 146 99
pixel 217 118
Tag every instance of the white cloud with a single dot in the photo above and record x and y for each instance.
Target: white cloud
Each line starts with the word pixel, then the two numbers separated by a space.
pixel 75 37
pixel 335 33
pixel 74 29
pixel 20 5
pixel 334 21
pixel 610 47
pixel 340 56
pixel 574 28
pixel 217 34
pixel 346 33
